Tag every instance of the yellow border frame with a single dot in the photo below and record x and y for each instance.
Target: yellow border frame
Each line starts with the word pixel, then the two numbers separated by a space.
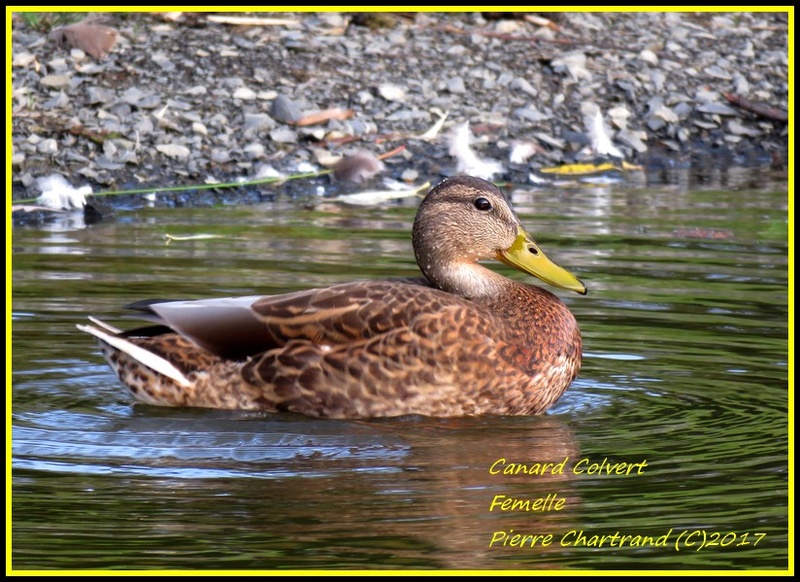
pixel 9 149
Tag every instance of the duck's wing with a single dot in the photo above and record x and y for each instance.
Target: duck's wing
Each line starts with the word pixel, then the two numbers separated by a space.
pixel 241 327
pixel 444 363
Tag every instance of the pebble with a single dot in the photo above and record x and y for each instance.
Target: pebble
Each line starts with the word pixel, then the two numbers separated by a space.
pixel 176 151
pixel 283 135
pixel 47 146
pixel 220 156
pixel 56 81
pixel 634 139
pixel 284 110
pixel 456 86
pixel 99 95
pixel 23 59
pixel 737 128
pixel 717 109
pixel 244 93
pixel 59 101
pixel 409 176
pixel 740 85
pixel 521 84
pixel 164 62
pixel 257 122
pixel 255 151
pixel 648 56
pixel 718 73
pixel 530 114
pixel 391 92
pixel 199 128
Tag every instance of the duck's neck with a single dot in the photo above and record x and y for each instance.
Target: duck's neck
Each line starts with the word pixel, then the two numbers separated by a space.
pixel 471 281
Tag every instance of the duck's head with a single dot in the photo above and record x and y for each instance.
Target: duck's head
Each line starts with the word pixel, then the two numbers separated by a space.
pixel 464 220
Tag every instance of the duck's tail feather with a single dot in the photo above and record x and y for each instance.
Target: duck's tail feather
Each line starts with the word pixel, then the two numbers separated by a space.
pixel 108 334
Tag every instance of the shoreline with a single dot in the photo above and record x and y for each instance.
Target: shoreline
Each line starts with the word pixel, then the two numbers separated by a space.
pixel 181 99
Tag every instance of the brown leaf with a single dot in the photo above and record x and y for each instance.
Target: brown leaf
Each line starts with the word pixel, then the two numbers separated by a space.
pixel 323 116
pixel 93 39
pixel 761 109
pixel 253 21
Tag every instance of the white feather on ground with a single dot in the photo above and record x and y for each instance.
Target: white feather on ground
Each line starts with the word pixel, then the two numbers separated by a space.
pixel 521 151
pixel 599 134
pixel 468 161
pixel 59 194
pixel 434 130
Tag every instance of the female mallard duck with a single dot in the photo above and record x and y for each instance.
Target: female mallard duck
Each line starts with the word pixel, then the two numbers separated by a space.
pixel 463 341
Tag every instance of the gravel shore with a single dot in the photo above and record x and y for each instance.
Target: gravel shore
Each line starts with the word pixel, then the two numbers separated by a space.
pixel 182 99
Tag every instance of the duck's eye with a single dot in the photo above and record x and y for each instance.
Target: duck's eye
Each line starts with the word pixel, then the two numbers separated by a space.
pixel 482 204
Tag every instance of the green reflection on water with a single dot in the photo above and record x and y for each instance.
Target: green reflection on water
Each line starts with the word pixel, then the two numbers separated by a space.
pixel 686 365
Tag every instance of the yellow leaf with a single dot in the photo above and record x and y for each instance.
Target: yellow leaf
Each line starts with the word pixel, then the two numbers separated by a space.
pixel 581 169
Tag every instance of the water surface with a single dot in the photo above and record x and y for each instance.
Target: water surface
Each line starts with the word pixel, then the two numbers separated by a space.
pixel 685 378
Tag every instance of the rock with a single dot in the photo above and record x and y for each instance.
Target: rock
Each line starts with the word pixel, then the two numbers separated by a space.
pixel 408 115
pixel 58 102
pixel 634 139
pixel 255 151
pixel 666 114
pixel 283 135
pixel 23 59
pixel 409 175
pixel 284 110
pixel 220 156
pixel 99 95
pixel 682 110
pixel 717 109
pixel 456 85
pixel 257 122
pixel 530 114
pixel 47 146
pixel 163 62
pixel 520 84
pixel 619 116
pixel 178 152
pixel 737 128
pixel 244 93
pixel 705 124
pixel 649 57
pixel 391 92
pixel 56 81
pixel 199 128
pixel 718 73
pixel 573 63
pixel 197 90
pixel 549 140
pixel 740 85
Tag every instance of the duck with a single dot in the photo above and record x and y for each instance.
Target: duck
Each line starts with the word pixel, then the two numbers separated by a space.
pixel 463 340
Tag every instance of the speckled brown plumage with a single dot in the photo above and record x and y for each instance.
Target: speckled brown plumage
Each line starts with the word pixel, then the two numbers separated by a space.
pixel 463 341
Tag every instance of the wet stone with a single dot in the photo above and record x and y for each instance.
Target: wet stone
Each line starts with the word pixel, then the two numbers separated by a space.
pixel 56 81
pixel 284 110
pixel 283 135
pixel 717 109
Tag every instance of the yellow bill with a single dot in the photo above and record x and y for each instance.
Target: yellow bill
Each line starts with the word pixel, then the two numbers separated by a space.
pixel 526 256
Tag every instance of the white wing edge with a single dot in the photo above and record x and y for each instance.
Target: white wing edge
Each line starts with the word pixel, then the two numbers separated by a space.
pixel 148 359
